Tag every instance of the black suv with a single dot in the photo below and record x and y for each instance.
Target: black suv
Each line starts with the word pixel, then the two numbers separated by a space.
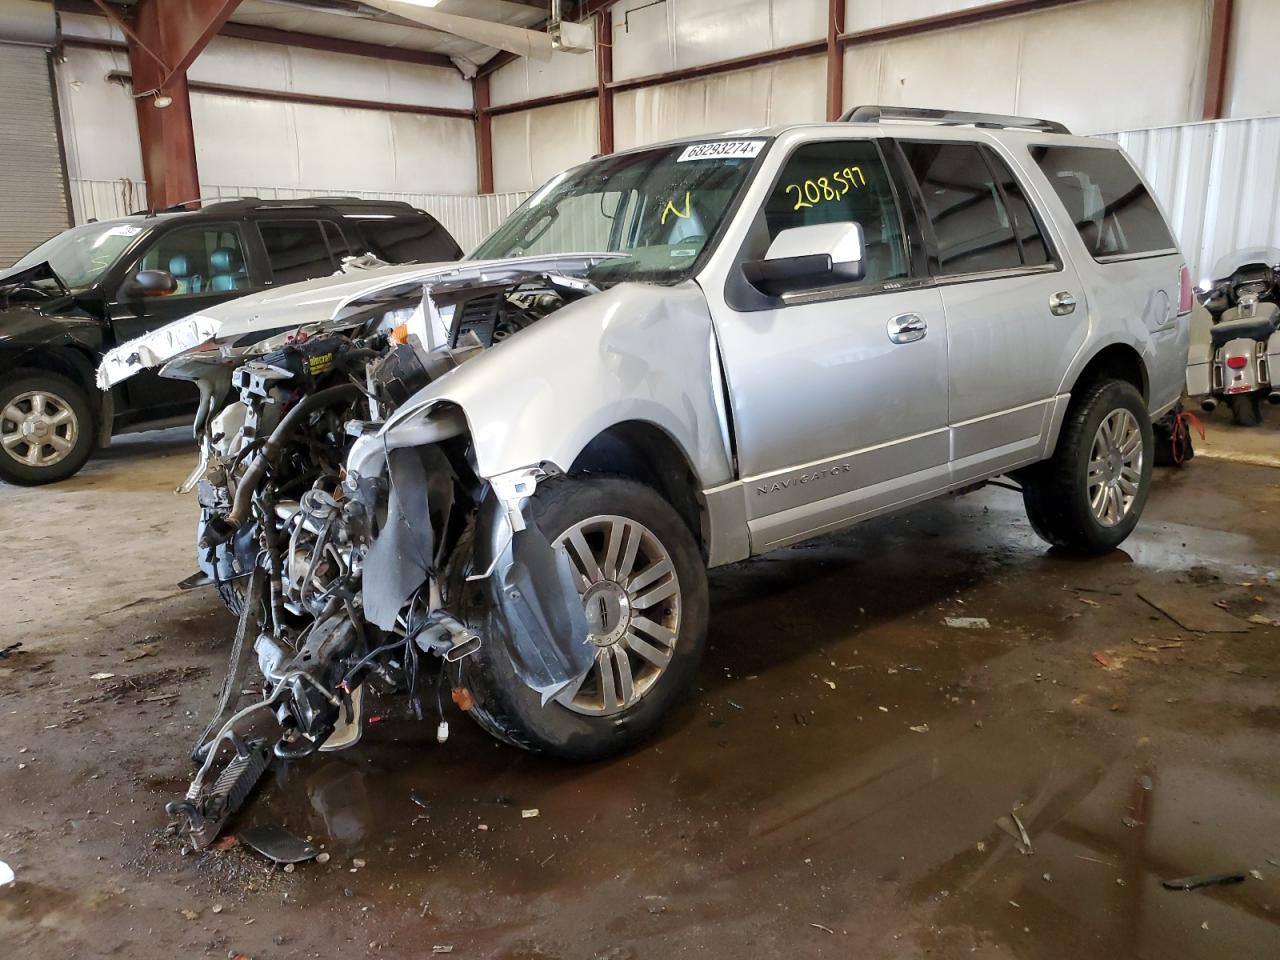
pixel 97 285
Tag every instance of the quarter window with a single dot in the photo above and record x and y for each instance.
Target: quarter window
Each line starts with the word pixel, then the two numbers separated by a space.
pixel 840 181
pixel 407 239
pixel 981 220
pixel 201 260
pixel 296 249
pixel 1111 209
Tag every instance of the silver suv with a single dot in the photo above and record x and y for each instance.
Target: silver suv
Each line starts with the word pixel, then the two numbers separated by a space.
pixel 670 358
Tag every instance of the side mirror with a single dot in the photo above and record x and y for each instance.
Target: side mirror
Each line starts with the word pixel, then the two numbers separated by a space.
pixel 803 258
pixel 148 283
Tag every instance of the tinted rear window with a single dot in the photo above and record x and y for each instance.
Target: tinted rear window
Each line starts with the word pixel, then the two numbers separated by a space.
pixel 1113 212
pixel 406 239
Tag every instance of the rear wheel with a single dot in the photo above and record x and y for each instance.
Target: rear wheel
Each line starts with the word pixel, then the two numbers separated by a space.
pixel 46 427
pixel 1246 409
pixel 643 585
pixel 1088 496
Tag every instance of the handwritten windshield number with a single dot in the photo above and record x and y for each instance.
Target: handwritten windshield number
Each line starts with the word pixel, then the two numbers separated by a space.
pixel 820 190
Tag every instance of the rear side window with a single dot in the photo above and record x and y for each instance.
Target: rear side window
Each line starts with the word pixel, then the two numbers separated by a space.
pixel 405 239
pixel 296 249
pixel 1111 209
pixel 980 217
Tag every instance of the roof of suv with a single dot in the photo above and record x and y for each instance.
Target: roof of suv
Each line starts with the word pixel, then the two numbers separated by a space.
pixel 343 206
pixel 903 121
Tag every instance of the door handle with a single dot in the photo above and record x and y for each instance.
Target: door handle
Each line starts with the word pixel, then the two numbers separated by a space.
pixel 907 328
pixel 1062 303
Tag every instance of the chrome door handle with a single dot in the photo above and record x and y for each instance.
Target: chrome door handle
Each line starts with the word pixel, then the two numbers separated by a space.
pixel 907 328
pixel 1062 303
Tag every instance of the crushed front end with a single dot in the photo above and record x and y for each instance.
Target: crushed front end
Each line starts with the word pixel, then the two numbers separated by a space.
pixel 347 558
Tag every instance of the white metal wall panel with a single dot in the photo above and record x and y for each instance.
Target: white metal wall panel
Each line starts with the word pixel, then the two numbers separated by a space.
pixel 272 66
pixel 793 91
pixel 869 14
pixel 99 120
pixel 1218 182
pixel 1081 64
pixel 246 140
pixel 1252 88
pixel 530 146
pixel 656 38
pixel 33 187
pixel 527 79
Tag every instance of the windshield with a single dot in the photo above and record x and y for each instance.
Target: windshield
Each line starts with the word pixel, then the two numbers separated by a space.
pixel 80 255
pixel 659 207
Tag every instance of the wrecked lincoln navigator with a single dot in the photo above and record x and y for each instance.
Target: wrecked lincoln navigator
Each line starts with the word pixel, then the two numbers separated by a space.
pixel 508 475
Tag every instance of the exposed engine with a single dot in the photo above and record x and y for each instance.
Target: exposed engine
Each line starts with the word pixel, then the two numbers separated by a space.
pixel 338 578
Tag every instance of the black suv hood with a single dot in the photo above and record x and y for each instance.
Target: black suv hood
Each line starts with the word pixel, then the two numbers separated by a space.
pixel 16 285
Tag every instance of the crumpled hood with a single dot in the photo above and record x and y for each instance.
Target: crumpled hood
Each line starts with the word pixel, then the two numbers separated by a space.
pixel 312 301
pixel 11 279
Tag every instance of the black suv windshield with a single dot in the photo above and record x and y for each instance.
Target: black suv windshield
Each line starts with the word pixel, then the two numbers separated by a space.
pixel 82 254
pixel 659 207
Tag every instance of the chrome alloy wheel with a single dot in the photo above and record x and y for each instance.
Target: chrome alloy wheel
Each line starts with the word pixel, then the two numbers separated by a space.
pixel 38 429
pixel 1115 467
pixel 631 595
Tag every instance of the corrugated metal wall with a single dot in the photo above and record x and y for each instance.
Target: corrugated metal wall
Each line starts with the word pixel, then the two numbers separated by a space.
pixel 1219 183
pixel 469 219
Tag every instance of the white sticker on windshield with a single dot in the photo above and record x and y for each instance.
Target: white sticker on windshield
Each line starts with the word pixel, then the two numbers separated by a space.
pixel 721 150
pixel 124 230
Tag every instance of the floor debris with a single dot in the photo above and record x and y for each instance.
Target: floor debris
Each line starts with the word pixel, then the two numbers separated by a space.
pixel 11 648
pixel 6 874
pixel 1192 611
pixel 529 814
pixel 277 844
pixel 1207 880
pixel 1012 825
pixel 101 676
pixel 822 928
pixel 968 623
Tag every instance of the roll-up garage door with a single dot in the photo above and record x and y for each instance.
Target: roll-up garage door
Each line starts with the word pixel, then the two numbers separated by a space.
pixel 33 181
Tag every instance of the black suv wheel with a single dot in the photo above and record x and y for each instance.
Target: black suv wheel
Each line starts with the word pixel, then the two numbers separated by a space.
pixel 1088 496
pixel 644 586
pixel 46 427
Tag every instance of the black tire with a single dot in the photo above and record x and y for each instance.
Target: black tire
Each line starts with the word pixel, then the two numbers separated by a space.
pixel 511 711
pixel 1055 492
pixel 1246 409
pixel 16 393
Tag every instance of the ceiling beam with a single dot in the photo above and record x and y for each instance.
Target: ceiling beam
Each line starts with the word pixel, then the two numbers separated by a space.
pixel 956 18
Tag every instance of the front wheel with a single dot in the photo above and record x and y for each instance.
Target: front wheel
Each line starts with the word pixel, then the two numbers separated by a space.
pixel 1246 409
pixel 1088 496
pixel 46 428
pixel 643 585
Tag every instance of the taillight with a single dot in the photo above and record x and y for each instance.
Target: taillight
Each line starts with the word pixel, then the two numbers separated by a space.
pixel 1237 363
pixel 1187 295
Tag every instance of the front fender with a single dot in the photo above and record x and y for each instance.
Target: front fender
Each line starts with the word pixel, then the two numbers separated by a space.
pixel 634 352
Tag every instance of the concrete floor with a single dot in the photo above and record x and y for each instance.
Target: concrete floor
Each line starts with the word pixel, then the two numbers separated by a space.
pixel 833 789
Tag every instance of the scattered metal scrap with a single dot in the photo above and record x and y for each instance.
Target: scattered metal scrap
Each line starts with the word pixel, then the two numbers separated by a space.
pixel 277 844
pixel 1207 880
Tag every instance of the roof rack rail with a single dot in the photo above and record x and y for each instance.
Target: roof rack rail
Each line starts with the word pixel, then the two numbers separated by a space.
pixel 950 118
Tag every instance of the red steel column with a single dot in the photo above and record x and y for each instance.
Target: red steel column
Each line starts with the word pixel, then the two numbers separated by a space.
pixel 166 37
pixel 604 77
pixel 835 59
pixel 484 133
pixel 1215 81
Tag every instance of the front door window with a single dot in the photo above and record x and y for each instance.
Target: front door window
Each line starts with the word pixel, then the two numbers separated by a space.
pixel 202 260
